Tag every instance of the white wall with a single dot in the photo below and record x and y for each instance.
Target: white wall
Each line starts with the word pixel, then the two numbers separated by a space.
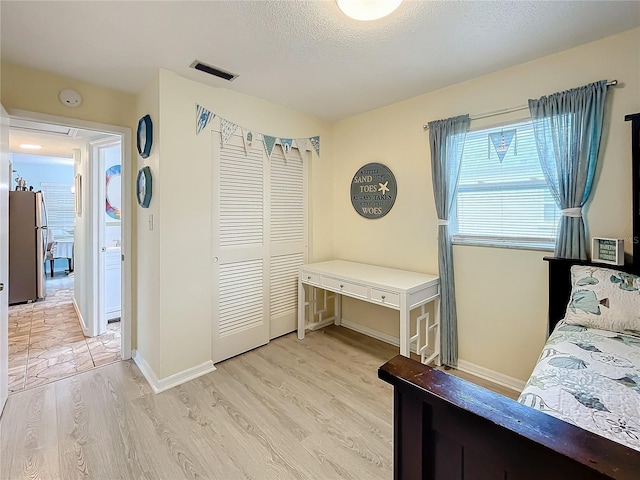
pixel 501 293
pixel 36 169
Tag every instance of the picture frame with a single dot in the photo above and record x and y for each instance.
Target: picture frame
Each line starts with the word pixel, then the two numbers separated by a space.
pixel 144 138
pixel 77 194
pixel 144 187
pixel 607 250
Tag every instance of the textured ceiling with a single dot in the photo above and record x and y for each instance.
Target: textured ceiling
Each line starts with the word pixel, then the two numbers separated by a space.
pixel 305 55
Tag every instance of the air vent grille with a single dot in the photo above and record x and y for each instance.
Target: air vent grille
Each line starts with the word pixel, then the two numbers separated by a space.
pixel 216 72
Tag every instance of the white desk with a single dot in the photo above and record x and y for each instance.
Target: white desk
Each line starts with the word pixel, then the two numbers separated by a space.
pixel 396 289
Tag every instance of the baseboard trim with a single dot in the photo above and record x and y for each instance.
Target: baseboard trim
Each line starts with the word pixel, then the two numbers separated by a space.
pixel 83 325
pixel 161 385
pixel 464 366
pixel 491 375
pixel 370 332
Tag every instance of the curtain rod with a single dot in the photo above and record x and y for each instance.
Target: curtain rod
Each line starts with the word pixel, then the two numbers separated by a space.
pixel 504 111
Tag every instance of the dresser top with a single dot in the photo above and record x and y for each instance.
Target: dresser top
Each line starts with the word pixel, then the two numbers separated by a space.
pixel 372 274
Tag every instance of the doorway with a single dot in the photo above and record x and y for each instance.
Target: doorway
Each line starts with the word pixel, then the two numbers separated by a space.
pixel 68 331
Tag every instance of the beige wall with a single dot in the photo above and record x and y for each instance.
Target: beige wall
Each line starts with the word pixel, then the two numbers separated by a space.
pixel 185 230
pixel 146 242
pixel 33 90
pixel 501 293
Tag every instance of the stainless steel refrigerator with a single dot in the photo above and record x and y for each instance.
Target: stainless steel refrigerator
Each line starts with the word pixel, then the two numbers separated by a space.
pixel 27 246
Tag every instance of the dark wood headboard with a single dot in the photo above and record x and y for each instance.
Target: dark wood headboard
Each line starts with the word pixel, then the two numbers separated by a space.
pixel 560 284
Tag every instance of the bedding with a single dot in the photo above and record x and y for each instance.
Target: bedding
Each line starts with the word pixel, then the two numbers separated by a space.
pixel 604 298
pixel 590 378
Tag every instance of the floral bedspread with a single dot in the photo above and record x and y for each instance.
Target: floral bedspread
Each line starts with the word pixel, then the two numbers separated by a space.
pixel 590 378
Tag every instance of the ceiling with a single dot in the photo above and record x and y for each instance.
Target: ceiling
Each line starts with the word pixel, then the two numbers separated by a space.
pixel 57 142
pixel 305 55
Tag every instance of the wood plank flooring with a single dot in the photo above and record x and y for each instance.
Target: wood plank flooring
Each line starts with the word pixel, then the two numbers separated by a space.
pixel 311 409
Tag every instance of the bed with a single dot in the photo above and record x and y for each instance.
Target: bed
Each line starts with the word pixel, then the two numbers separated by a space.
pixel 579 414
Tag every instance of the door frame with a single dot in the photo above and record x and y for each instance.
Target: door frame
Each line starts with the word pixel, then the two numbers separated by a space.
pixel 5 186
pixel 126 212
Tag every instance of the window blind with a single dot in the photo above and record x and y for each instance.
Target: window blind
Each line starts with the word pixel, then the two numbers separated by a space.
pixel 504 203
pixel 59 202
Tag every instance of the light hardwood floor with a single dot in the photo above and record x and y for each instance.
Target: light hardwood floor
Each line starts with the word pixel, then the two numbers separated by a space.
pixel 311 409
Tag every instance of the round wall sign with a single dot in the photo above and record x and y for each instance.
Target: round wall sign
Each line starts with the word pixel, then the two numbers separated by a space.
pixel 373 190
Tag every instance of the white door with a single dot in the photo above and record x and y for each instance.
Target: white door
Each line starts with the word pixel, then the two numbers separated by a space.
pixel 5 177
pixel 287 237
pixel 259 242
pixel 241 267
pixel 109 177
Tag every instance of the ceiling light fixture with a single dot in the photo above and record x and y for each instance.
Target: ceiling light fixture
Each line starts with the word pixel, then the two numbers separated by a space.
pixel 367 9
pixel 28 146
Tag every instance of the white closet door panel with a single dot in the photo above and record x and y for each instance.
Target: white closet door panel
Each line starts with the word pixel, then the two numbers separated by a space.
pixel 284 283
pixel 288 239
pixel 287 198
pixel 241 267
pixel 241 196
pixel 241 296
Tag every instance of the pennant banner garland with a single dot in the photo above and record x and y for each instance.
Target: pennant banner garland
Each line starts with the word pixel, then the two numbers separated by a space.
pixel 250 137
pixel 227 129
pixel 315 141
pixel 302 144
pixel 203 117
pixel 502 141
pixel 286 144
pixel 247 139
pixel 269 143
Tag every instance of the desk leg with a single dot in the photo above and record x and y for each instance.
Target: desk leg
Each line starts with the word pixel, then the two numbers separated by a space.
pixel 301 302
pixel 405 332
pixel 338 309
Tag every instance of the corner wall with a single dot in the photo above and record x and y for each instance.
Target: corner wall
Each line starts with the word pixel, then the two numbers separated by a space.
pixel 501 293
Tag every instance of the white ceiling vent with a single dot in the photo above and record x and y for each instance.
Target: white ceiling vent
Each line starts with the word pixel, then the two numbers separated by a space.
pixel 216 72
pixel 37 127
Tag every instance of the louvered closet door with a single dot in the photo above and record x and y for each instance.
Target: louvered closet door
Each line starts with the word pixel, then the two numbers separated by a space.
pixel 240 248
pixel 288 237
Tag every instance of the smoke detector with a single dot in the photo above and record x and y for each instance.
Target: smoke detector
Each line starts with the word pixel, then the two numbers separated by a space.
pixel 70 98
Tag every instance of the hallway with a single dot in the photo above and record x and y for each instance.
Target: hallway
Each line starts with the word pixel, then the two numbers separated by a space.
pixel 46 342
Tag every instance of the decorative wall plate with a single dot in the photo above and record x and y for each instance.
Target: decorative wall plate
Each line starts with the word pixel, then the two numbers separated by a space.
pixel 145 136
pixel 144 187
pixel 373 190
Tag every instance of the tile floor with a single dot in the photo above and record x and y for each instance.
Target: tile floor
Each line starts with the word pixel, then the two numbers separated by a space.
pixel 46 342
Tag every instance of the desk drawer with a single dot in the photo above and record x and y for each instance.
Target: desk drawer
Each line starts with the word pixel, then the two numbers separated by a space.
pixel 386 298
pixel 347 288
pixel 309 277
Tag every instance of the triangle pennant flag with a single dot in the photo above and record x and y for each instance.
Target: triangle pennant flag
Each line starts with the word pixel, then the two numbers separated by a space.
pixel 315 141
pixel 269 143
pixel 286 144
pixel 502 141
pixel 203 117
pixel 227 129
pixel 302 144
pixel 247 138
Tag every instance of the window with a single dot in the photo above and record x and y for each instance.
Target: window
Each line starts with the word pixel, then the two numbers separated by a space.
pixel 59 202
pixel 504 203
